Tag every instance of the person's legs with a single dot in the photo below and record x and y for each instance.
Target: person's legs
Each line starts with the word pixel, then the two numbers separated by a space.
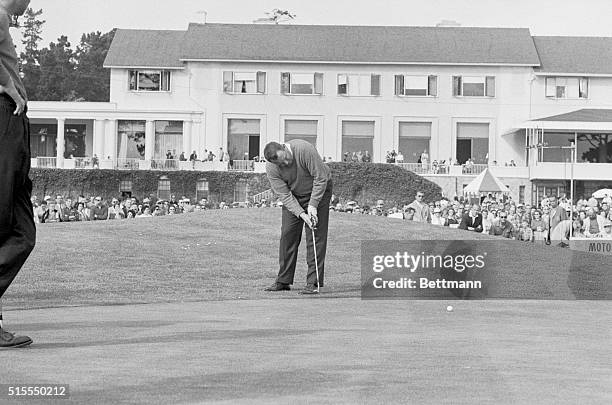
pixel 291 235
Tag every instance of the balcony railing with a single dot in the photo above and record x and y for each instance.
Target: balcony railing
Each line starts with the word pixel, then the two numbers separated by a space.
pixel 127 164
pixel 242 165
pixel 267 195
pixel 164 164
pixel 425 168
pixel 46 162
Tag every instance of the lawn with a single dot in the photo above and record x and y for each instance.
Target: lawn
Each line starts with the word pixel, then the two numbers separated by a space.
pixel 232 254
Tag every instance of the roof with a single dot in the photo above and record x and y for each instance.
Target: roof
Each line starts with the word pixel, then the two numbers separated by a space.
pixel 485 182
pixel 583 115
pixel 145 48
pixel 578 55
pixel 365 44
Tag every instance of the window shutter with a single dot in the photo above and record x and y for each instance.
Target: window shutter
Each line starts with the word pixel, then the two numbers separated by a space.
pixel 399 85
pixel 285 82
pixel 165 80
pixel 432 86
pixel 490 86
pixel 342 84
pixel 261 82
pixel 456 85
pixel 583 87
pixel 132 78
pixel 551 87
pixel 375 85
pixel 318 83
pixel 228 78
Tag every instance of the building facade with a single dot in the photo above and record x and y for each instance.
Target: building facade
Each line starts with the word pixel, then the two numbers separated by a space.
pixel 449 95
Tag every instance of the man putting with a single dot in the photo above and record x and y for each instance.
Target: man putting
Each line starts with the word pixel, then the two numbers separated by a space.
pixel 17 229
pixel 303 182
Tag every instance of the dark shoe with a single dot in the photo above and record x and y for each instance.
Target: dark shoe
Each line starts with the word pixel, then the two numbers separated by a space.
pixel 278 287
pixel 310 289
pixel 8 340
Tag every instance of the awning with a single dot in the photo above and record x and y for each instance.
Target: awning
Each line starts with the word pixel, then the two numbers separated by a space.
pixel 592 120
pixel 485 182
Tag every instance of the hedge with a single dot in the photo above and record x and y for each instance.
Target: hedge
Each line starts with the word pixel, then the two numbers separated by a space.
pixel 364 183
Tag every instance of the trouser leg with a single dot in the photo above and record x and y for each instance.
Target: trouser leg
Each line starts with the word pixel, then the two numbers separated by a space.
pixel 17 229
pixel 321 241
pixel 291 235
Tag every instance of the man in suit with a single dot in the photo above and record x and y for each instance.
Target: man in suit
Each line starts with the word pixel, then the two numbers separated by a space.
pixel 472 221
pixel 556 215
pixel 303 182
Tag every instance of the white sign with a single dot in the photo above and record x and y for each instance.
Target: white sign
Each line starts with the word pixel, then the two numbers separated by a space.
pixel 592 245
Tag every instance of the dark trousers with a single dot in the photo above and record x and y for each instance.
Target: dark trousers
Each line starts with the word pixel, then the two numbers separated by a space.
pixel 291 235
pixel 17 229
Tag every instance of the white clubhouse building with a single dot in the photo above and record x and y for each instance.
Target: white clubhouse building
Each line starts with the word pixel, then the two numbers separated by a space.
pixel 492 95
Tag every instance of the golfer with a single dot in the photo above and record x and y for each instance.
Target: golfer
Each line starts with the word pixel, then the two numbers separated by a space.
pixel 303 183
pixel 17 230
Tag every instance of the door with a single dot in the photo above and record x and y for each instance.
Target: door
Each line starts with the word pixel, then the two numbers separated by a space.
pixel 253 146
pixel 464 150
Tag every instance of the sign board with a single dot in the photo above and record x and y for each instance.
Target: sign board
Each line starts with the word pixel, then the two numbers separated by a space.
pixel 592 245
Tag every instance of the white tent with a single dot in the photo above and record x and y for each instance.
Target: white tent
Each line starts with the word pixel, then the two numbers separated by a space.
pixel 485 183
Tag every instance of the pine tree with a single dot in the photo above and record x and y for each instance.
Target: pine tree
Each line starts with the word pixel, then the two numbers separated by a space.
pixel 32 28
pixel 57 67
pixel 92 80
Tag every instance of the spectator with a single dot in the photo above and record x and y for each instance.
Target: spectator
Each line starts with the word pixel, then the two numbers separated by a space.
pixel 504 228
pixel 421 210
pixel 100 210
pixel 593 223
pixel 472 221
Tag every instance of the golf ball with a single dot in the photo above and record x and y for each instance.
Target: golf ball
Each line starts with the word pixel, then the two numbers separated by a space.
pixel 449 308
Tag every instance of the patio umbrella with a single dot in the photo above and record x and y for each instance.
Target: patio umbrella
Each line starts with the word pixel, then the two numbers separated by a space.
pixel 604 192
pixel 484 183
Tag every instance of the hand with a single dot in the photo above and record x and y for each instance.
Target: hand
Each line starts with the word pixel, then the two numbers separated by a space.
pixel 312 213
pixel 11 91
pixel 306 218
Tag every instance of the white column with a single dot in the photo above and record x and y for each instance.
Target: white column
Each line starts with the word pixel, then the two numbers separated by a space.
pixel 197 138
pixel 110 140
pixel 98 138
pixel 187 141
pixel 61 143
pixel 149 140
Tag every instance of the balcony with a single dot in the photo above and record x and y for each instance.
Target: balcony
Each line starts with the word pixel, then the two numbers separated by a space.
pixel 563 171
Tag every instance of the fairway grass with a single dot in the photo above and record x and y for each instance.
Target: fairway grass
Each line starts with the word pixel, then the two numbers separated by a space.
pixel 233 254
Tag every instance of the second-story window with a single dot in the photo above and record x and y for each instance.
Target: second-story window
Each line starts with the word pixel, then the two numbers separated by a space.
pixel 474 86
pixel 409 85
pixel 567 87
pixel 359 85
pixel 149 80
pixel 244 82
pixel 301 83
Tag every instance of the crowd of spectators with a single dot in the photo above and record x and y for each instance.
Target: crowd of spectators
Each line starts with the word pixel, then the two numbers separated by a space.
pixel 97 208
pixel 551 221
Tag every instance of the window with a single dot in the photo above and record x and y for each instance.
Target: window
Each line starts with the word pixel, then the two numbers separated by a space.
pixel 567 87
pixel 243 138
pixel 357 136
pixel 359 85
pixel 130 140
pixel 149 80
pixel 301 129
pixel 474 86
pixel 168 139
pixel 406 85
pixel 125 186
pixel 301 83
pixel 521 194
pixel 163 188
pixel 244 82
pixel 414 139
pixel 201 189
pixel 472 142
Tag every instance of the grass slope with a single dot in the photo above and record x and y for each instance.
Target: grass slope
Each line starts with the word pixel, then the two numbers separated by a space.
pixel 229 254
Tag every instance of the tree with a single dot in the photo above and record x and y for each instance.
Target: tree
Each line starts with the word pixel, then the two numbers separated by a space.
pixel 57 66
pixel 601 150
pixel 276 16
pixel 28 59
pixel 92 80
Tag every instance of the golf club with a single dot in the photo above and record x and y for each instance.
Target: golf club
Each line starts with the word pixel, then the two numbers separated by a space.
pixel 314 246
pixel 0 313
